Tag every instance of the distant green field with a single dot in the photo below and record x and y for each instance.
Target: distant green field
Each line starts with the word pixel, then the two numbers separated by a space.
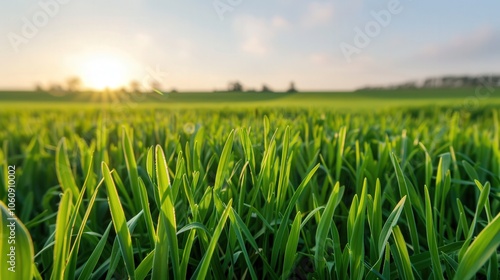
pixel 376 99
pixel 341 185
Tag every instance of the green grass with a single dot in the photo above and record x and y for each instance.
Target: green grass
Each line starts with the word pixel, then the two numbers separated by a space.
pixel 254 189
pixel 460 97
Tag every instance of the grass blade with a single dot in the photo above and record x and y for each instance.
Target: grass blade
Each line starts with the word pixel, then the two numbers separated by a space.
pixel 202 270
pixel 62 235
pixel 324 225
pixel 431 237
pixel 167 213
pixel 291 246
pixel 389 225
pixel 22 248
pixel 63 170
pixel 402 254
pixel 485 244
pixel 94 257
pixel 119 222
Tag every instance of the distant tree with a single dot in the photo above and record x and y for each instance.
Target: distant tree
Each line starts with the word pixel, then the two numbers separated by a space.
pixel 174 90
pixel 265 88
pixel 235 87
pixel 473 81
pixel 56 90
pixel 429 83
pixel 495 80
pixel 135 86
pixel 454 82
pixel 55 87
pixel 39 87
pixel 446 82
pixel 292 88
pixel 73 84
pixel 464 81
pixel 407 85
pixel 155 85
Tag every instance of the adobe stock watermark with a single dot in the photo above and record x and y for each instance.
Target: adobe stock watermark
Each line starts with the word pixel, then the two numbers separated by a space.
pixel 223 6
pixel 47 9
pixel 481 93
pixel 373 28
pixel 11 224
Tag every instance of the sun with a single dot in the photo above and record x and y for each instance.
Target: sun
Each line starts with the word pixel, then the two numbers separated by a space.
pixel 101 71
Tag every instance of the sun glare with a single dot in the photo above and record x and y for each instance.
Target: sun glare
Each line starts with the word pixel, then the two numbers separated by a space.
pixel 104 71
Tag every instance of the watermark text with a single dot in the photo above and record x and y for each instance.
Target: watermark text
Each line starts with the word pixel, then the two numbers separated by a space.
pixel 11 224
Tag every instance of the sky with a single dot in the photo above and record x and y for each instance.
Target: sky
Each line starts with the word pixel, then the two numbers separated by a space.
pixel 202 45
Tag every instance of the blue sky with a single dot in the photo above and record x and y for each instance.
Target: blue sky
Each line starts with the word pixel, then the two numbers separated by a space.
pixel 256 42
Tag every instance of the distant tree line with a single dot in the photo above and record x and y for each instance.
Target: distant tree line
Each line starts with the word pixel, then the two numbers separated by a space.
pixel 445 82
pixel 236 86
pixel 75 84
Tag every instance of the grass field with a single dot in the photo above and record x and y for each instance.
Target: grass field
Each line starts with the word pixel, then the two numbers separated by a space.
pixel 374 99
pixel 363 185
